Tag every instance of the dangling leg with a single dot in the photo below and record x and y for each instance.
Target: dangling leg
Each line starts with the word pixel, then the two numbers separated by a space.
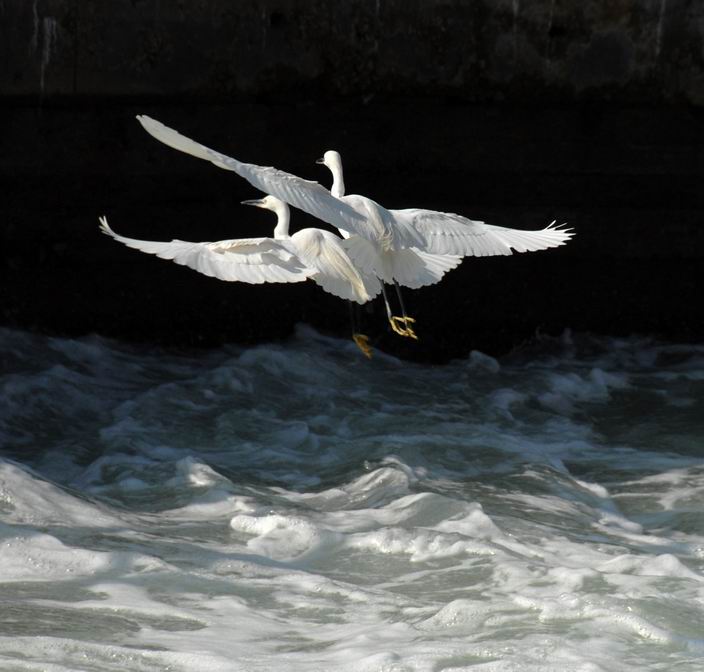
pixel 361 340
pixel 408 321
pixel 393 320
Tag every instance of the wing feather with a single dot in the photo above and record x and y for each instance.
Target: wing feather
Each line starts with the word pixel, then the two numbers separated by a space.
pixel 447 233
pixel 336 272
pixel 364 255
pixel 414 268
pixel 251 260
pixel 409 267
pixel 305 195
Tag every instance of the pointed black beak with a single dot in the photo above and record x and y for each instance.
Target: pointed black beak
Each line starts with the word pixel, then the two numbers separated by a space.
pixel 320 160
pixel 254 201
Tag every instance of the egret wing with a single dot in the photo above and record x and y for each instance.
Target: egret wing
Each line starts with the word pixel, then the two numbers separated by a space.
pixel 414 268
pixel 409 267
pixel 365 257
pixel 447 233
pixel 251 260
pixel 336 273
pixel 305 195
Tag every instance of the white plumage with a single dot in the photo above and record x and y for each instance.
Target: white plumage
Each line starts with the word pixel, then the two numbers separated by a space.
pixel 305 195
pixel 447 233
pixel 426 232
pixel 412 247
pixel 443 233
pixel 408 267
pixel 308 254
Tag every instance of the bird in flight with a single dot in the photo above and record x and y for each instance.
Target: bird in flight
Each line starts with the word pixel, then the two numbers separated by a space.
pixel 412 247
pixel 309 254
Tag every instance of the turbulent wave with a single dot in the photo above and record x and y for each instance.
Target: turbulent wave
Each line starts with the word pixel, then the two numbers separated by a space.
pixel 299 506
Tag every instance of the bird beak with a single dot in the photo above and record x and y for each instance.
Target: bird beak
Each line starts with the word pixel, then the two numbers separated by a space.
pixel 320 161
pixel 257 202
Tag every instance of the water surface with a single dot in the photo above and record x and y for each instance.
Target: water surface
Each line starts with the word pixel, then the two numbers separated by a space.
pixel 296 506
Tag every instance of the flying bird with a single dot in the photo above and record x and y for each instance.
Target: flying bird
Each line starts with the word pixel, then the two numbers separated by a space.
pixel 445 233
pixel 357 216
pixel 309 254
pixel 447 238
pixel 393 245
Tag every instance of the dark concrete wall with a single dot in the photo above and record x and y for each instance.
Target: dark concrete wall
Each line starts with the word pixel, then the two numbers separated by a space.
pixel 513 112
pixel 484 50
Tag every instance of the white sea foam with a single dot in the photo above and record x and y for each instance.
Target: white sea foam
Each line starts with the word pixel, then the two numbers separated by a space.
pixel 164 511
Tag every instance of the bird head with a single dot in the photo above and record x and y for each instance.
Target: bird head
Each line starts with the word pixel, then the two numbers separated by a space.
pixel 330 158
pixel 267 203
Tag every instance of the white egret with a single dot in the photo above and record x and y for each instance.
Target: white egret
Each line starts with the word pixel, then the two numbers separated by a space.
pixel 388 244
pixel 447 238
pixel 352 214
pixel 309 254
pixel 409 267
pixel 446 233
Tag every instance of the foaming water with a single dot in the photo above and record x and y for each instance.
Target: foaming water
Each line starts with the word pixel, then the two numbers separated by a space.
pixel 299 506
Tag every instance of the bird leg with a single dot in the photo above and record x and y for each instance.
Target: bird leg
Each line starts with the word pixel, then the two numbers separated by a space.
pixel 361 340
pixel 395 321
pixel 398 324
pixel 407 321
pixel 407 329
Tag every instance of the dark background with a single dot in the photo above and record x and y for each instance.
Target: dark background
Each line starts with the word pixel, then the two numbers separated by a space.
pixel 511 111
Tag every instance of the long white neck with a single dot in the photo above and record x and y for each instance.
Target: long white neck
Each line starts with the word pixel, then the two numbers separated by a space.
pixel 283 216
pixel 338 182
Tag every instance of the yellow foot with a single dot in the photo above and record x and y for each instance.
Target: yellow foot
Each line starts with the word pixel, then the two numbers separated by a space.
pixel 362 342
pixel 406 329
pixel 408 321
pixel 396 323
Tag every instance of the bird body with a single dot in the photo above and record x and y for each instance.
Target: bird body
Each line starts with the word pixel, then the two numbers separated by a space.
pixel 430 231
pixel 412 247
pixel 445 233
pixel 311 253
pixel 350 214
pixel 387 248
pixel 335 271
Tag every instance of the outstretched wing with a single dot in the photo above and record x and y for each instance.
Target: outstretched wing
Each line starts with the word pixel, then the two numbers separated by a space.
pixel 305 195
pixel 252 260
pixel 446 233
